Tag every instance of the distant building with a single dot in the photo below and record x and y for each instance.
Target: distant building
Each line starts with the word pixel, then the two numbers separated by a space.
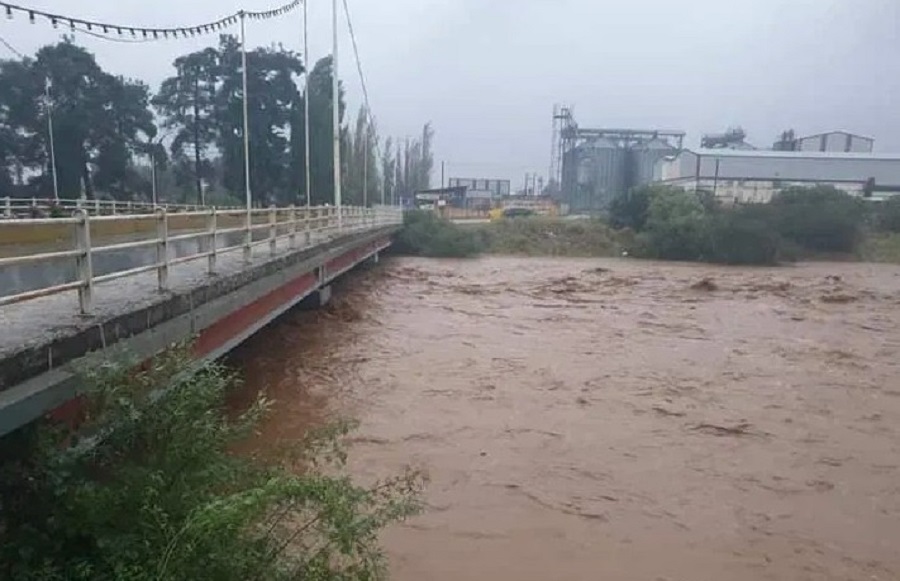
pixel 740 176
pixel 483 188
pixel 734 138
pixel 833 141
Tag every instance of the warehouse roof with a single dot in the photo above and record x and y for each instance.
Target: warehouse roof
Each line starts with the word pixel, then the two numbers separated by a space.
pixel 763 153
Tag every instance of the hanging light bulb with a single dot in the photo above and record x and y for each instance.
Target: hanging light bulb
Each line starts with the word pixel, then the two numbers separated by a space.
pixel 54 22
pixel 155 34
pixel 9 12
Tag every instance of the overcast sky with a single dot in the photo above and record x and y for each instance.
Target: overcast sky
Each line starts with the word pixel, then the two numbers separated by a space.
pixel 486 73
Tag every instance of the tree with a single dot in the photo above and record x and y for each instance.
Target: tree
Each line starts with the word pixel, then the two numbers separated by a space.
pixel 388 169
pixel 186 102
pixel 320 127
pixel 100 121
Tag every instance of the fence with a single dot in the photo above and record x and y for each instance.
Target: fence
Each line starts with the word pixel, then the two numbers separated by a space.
pixel 297 227
pixel 43 207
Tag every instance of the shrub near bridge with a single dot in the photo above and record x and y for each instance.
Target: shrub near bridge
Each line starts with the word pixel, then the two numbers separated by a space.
pixel 427 234
pixel 147 489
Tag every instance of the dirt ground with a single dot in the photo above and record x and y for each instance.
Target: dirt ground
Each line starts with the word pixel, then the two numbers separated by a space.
pixel 612 419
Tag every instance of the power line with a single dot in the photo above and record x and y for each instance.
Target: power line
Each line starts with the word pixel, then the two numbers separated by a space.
pixel 139 33
pixel 11 48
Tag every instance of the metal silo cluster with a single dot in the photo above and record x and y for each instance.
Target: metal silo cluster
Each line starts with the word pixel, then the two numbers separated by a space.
pixel 593 166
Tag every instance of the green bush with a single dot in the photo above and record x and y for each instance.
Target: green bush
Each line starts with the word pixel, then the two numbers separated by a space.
pixel 886 215
pixel 818 219
pixel 427 234
pixel 147 489
pixel 632 209
pixel 677 227
pixel 744 235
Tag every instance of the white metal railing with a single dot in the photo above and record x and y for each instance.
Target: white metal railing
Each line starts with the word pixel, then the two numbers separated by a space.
pixel 281 225
pixel 45 207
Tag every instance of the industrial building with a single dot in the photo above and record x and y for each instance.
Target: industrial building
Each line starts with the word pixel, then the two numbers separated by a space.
pixel 834 141
pixel 742 176
pixel 591 166
pixel 480 192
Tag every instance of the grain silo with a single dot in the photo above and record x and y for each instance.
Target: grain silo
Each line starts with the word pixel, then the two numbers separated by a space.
pixel 593 166
pixel 642 160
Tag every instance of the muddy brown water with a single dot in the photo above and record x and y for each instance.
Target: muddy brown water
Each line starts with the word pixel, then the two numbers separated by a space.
pixel 616 420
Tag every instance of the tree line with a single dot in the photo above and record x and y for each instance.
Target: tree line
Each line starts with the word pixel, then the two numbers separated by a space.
pixel 110 130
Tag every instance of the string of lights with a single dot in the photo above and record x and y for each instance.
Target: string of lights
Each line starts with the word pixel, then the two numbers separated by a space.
pixel 105 30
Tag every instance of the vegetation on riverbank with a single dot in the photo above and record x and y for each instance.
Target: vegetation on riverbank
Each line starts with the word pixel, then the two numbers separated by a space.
pixel 147 488
pixel 551 237
pixel 427 234
pixel 672 224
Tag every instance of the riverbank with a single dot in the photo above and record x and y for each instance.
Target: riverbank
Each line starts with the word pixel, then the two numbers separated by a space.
pixel 584 238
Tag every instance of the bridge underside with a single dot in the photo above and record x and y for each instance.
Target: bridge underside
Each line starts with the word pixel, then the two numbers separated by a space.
pixel 44 342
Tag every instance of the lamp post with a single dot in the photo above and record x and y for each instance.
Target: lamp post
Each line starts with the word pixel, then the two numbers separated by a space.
pixel 335 114
pixel 49 104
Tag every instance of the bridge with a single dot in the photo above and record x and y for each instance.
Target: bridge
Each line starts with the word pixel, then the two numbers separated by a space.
pixel 134 284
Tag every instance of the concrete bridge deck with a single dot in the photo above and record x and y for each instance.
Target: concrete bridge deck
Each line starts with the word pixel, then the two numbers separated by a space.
pixel 43 341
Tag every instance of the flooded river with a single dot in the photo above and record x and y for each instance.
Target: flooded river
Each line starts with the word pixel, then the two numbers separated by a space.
pixel 616 420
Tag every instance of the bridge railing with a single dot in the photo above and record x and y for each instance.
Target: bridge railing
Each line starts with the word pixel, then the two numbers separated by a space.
pixel 43 207
pixel 213 233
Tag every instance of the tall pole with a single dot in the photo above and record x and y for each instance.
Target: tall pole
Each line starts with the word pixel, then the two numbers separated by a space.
pixel 366 163
pixel 246 120
pixel 335 113
pixel 442 175
pixel 153 172
pixel 306 104
pixel 50 131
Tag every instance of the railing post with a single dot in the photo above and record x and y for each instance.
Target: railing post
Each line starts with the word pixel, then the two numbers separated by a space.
pixel 273 230
pixel 7 207
pixel 96 206
pixel 307 225
pixel 129 206
pixel 248 236
pixel 113 206
pixel 83 262
pixel 211 227
pixel 162 249
pixel 292 217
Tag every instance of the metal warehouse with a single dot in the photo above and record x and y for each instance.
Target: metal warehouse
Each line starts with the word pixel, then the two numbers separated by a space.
pixel 756 175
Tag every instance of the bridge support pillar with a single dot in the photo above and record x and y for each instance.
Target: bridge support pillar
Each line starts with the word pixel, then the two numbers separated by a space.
pixel 317 299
